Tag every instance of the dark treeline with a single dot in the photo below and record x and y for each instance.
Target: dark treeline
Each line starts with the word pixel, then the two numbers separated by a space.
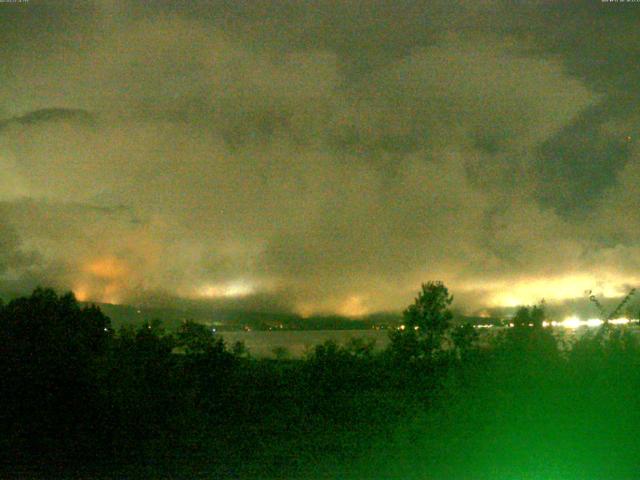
pixel 79 399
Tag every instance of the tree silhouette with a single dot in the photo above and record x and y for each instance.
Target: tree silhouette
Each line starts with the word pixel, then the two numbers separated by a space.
pixel 425 323
pixel 528 337
pixel 197 338
pixel 606 317
pixel 529 317
pixel 463 337
pixel 49 346
pixel 521 318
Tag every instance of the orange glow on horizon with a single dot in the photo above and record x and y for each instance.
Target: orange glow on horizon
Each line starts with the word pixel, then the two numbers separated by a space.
pixel 80 293
pixel 106 294
pixel 102 280
pixel 107 268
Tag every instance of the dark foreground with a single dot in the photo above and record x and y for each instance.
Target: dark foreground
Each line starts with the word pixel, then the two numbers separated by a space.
pixel 81 401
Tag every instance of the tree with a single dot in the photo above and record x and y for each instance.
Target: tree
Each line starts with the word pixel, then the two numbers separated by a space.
pixel 49 348
pixel 425 323
pixel 606 317
pixel 464 337
pixel 521 318
pixel 526 317
pixel 197 338
pixel 537 315
pixel 528 337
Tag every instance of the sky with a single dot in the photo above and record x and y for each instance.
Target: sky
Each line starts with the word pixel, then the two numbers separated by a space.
pixel 320 157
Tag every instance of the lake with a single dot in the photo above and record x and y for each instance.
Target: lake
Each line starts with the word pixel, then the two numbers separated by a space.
pixel 298 342
pixel 262 343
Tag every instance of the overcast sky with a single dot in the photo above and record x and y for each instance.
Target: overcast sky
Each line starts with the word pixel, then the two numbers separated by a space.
pixel 320 156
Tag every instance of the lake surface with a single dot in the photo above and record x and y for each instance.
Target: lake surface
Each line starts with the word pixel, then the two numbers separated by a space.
pixel 298 342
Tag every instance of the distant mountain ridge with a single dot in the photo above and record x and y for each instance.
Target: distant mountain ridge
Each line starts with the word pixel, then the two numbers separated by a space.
pixel 237 319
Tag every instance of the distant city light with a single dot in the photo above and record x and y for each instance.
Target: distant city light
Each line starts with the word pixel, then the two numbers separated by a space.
pixel 619 321
pixel 572 322
pixel 594 322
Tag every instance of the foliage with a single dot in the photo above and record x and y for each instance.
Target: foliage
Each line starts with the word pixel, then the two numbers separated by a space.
pixel 49 346
pixel 464 338
pixel 528 340
pixel 143 402
pixel 239 349
pixel 197 338
pixel 280 352
pixel 526 317
pixel 615 312
pixel 425 324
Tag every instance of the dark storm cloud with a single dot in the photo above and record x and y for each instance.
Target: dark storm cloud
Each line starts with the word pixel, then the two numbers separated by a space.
pixel 319 157
pixel 584 157
pixel 599 44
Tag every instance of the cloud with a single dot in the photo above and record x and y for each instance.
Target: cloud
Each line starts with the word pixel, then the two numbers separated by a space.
pixel 320 159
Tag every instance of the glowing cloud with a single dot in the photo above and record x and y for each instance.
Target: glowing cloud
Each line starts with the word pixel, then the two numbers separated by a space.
pixel 105 279
pixel 530 291
pixel 108 268
pixel 234 289
pixel 353 307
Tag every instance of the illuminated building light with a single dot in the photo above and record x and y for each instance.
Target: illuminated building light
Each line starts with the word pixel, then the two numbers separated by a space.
pixel 594 322
pixel 619 321
pixel 574 322
pixel 571 322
